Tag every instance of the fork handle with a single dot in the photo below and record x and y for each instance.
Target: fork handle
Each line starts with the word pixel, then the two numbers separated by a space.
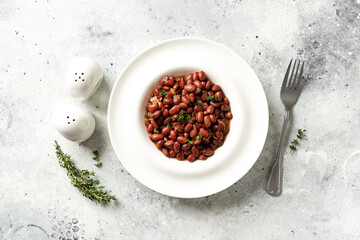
pixel 274 184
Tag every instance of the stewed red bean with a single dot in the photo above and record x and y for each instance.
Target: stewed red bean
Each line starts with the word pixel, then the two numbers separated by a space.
pixel 188 117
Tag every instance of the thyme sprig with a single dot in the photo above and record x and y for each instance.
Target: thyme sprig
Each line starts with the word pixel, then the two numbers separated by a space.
pixel 96 158
pixel 82 179
pixel 300 135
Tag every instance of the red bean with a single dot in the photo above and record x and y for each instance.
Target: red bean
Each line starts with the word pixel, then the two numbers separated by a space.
pixel 176 147
pixel 169 144
pixel 210 109
pixel 208 152
pixel 190 110
pixel 170 82
pixel 185 99
pixel 215 88
pixel 147 122
pixel 195 151
pixel 181 139
pixel 168 101
pixel 166 112
pixel 165 152
pixel 174 110
pixel 191 158
pixel 218 96
pixel 172 135
pixel 193 132
pixel 172 153
pixel 188 127
pixel 202 76
pixel 183 105
pixel 149 128
pixel 204 96
pixel 226 100
pixel 198 84
pixel 180 156
pixel 221 125
pixel 196 76
pixel 156 137
pixel 208 85
pixel 207 121
pixel 199 116
pixel 192 97
pixel 225 108
pixel 153 107
pixel 197 108
pixel 204 132
pixel 159 144
pixel 190 88
pixel 217 143
pixel 215 104
pixel 182 83
pixel 167 121
pixel 228 115
pixel 202 157
pixel 166 131
pixel 154 123
pixel 189 76
pixel 156 114
pixel 212 118
pixel 185 146
pixel 176 101
pixel 219 135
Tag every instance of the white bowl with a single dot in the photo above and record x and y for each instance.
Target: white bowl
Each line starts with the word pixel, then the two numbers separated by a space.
pixel 243 143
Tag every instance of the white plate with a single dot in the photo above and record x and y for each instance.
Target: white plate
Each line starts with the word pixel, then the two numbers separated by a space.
pixel 169 176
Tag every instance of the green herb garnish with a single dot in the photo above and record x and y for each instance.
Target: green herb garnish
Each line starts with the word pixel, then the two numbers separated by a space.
pixel 82 179
pixel 214 137
pixel 169 124
pixel 96 158
pixel 202 91
pixel 197 137
pixel 163 92
pixel 212 98
pixel 188 141
pixel 180 117
pixel 147 115
pixel 300 134
pixel 155 130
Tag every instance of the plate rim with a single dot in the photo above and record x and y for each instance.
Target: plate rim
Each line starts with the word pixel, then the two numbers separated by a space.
pixel 188 39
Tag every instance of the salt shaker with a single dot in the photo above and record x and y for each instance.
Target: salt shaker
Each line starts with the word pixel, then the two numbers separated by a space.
pixel 83 77
pixel 74 123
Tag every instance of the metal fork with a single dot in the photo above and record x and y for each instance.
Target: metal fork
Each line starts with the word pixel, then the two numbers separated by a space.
pixel 289 94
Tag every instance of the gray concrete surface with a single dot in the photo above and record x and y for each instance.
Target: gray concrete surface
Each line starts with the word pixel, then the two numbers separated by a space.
pixel 321 199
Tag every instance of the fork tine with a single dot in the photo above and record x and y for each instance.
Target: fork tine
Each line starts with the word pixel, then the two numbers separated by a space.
pixel 300 77
pixel 295 79
pixel 291 80
pixel 286 76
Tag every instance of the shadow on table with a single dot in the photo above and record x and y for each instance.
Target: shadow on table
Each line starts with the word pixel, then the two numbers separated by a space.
pixel 98 105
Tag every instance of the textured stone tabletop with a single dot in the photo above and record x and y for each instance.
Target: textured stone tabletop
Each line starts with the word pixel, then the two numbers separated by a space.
pixel 321 197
